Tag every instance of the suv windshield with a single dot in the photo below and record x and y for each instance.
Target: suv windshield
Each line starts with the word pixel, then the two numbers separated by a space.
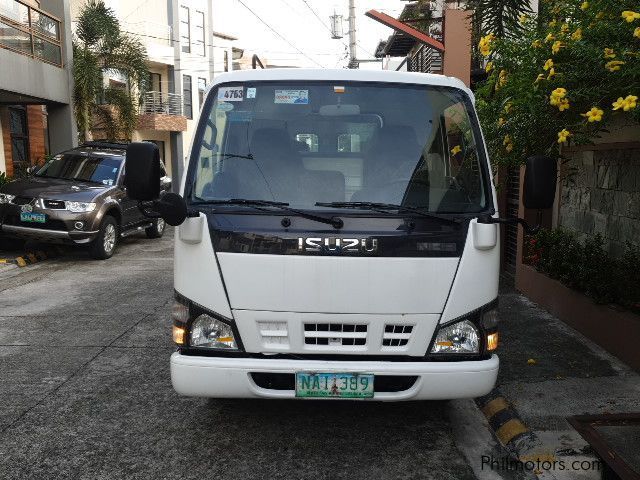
pixel 75 166
pixel 309 142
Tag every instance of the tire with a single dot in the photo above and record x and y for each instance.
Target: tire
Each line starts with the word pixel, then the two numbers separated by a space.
pixel 107 240
pixel 157 229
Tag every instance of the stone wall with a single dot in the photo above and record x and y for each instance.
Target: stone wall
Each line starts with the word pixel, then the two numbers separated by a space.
pixel 600 193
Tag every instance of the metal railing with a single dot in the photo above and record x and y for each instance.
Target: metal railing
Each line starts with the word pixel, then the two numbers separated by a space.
pixel 159 102
pixel 30 31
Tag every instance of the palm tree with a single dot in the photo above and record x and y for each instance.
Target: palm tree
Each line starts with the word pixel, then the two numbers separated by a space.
pixel 99 47
pixel 499 17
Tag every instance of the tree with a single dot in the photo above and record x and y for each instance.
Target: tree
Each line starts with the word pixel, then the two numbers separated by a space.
pixel 99 47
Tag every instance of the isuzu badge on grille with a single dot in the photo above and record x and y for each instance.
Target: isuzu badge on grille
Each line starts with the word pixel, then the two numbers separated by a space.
pixel 338 245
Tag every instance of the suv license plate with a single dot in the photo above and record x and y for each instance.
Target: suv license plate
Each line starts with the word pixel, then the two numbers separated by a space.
pixel 334 385
pixel 33 217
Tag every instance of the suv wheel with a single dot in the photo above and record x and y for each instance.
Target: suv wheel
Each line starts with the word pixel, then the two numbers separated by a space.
pixel 157 229
pixel 105 243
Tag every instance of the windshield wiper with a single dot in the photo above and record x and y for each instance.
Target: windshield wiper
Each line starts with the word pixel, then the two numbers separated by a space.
pixel 335 222
pixel 386 207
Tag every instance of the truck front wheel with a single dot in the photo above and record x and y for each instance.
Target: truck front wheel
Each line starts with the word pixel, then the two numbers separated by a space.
pixel 105 243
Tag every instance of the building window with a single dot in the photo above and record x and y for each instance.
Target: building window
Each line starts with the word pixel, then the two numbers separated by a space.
pixel 198 33
pixel 202 88
pixel 185 30
pixel 186 96
pixel 155 82
pixel 19 138
pixel 226 60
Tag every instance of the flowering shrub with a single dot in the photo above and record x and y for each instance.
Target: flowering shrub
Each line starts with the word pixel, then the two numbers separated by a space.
pixel 587 266
pixel 565 75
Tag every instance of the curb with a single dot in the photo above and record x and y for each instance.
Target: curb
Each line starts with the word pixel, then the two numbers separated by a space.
pixel 31 258
pixel 518 440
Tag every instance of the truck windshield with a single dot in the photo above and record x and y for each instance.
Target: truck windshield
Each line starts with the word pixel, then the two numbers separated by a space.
pixel 94 169
pixel 306 143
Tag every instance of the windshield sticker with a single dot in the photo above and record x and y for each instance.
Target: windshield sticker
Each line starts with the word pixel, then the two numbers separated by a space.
pixel 107 182
pixel 240 116
pixel 225 107
pixel 251 92
pixel 231 94
pixel 292 97
pixel 115 169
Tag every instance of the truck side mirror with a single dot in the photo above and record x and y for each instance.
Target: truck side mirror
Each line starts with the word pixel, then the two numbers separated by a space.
pixel 540 180
pixel 143 171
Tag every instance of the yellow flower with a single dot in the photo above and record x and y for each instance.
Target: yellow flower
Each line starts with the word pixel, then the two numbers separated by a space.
pixel 501 121
pixel 558 94
pixel 599 15
pixel 564 105
pixel 489 67
pixel 564 28
pixel 540 78
pixel 523 18
pixel 548 64
pixel 507 140
pixel 509 147
pixel 593 115
pixel 584 5
pixel 549 37
pixel 508 107
pixel 614 65
pixel 626 104
pixel 609 53
pixel 636 32
pixel 577 35
pixel 536 44
pixel 455 150
pixel 630 16
pixel 484 45
pixel 502 78
pixel 552 73
pixel 553 23
pixel 563 135
pixel 557 45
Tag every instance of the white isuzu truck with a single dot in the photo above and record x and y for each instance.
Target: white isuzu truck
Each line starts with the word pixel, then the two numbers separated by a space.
pixel 338 238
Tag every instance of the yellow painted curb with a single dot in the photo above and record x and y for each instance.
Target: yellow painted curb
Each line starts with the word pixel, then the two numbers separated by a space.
pixel 510 430
pixel 21 262
pixel 494 406
pixel 3 260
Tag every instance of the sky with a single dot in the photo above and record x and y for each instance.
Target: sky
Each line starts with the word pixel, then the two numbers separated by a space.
pixel 295 21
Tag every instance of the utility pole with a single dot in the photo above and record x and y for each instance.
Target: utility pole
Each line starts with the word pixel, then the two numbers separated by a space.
pixel 353 54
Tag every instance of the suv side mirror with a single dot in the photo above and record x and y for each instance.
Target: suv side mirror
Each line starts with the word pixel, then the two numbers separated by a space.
pixel 540 180
pixel 143 171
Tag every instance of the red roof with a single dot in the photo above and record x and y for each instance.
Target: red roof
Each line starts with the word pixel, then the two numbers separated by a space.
pixel 405 29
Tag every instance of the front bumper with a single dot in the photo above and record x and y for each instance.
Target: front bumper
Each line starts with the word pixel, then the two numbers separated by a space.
pixel 45 235
pixel 224 377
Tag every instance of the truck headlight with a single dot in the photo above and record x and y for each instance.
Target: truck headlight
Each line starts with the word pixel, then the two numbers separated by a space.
pixel 6 198
pixel 460 337
pixel 210 332
pixel 80 207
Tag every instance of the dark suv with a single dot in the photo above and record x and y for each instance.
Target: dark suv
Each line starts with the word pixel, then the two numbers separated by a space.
pixel 77 197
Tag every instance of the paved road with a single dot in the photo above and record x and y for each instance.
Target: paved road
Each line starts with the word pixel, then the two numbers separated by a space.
pixel 85 393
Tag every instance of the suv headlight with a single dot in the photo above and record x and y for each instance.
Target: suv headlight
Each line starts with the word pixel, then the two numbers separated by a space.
pixel 459 337
pixel 6 198
pixel 210 332
pixel 80 207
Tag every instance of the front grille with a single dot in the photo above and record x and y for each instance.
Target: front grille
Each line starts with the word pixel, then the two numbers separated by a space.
pixel 335 334
pixel 287 381
pixel 48 225
pixel 55 204
pixel 20 200
pixel 274 334
pixel 396 335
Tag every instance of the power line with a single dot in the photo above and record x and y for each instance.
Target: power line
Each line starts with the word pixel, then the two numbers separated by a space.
pixel 279 35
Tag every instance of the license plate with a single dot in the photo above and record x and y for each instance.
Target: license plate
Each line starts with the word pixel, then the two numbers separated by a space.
pixel 334 385
pixel 33 217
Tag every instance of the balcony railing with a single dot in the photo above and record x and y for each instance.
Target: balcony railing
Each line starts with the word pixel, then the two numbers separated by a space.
pixel 164 103
pixel 30 31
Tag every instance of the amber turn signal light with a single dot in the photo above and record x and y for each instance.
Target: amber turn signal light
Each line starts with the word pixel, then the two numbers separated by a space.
pixel 492 341
pixel 178 335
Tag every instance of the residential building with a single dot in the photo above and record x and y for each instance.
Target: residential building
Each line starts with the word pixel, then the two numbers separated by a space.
pixel 36 113
pixel 184 54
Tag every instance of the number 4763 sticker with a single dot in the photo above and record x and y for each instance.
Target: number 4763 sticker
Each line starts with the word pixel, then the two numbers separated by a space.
pixel 231 94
